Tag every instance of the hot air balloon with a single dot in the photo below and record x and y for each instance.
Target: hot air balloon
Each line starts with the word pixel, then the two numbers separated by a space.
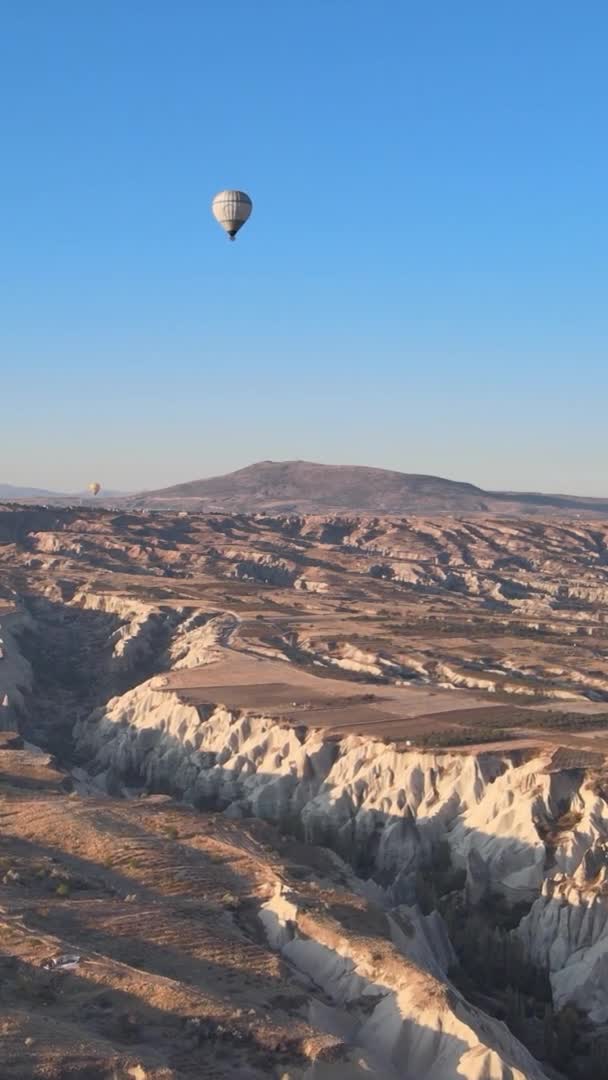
pixel 231 209
pixel 94 488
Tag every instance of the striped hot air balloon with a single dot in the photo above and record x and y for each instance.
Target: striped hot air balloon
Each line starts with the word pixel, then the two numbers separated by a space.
pixel 231 209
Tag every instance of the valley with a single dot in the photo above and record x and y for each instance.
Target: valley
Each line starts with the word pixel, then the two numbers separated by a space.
pixel 275 779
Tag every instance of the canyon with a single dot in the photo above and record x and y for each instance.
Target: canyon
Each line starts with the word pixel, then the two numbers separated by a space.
pixel 270 776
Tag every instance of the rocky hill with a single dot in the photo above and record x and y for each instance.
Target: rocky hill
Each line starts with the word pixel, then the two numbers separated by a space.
pixel 306 487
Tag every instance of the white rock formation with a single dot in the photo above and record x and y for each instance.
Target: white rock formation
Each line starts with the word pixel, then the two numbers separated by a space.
pixel 384 810
pixel 15 671
pixel 410 1024
pixel 136 637
pixel 566 931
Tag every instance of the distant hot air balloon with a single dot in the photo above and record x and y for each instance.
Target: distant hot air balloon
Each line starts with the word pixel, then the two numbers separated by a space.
pixel 231 209
pixel 94 488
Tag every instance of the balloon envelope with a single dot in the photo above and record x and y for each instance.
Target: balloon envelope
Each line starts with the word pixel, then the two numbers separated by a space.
pixel 231 209
pixel 94 488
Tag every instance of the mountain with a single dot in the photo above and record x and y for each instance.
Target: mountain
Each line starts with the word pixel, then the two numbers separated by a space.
pixel 14 491
pixel 306 487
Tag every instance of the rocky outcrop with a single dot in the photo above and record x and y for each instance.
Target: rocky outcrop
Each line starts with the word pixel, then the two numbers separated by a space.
pixel 138 631
pixel 567 933
pixel 385 810
pixel 410 1024
pixel 363 798
pixel 15 670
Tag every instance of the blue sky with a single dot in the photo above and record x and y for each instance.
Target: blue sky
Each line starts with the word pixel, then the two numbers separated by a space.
pixel 423 282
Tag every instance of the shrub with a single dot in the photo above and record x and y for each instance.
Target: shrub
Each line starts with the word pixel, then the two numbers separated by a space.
pixel 464 736
pixel 229 900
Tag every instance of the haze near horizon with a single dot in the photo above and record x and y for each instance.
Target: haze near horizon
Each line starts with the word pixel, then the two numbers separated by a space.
pixel 421 285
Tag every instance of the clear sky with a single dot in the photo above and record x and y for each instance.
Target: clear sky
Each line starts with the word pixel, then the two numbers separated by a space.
pixel 423 282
